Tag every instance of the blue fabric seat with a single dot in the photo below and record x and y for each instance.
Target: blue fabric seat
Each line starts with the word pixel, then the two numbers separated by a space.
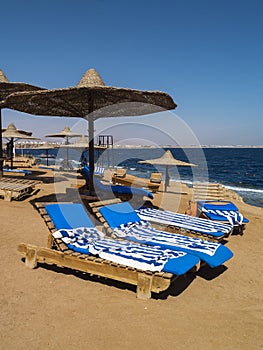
pixel 223 211
pixel 76 230
pixel 186 222
pixel 126 224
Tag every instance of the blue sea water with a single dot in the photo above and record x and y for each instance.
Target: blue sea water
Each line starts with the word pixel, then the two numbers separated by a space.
pixel 239 169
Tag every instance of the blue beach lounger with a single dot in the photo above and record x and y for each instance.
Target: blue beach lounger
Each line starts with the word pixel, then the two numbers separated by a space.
pixel 116 189
pixel 21 172
pixel 223 211
pixel 76 230
pixel 211 229
pixel 126 223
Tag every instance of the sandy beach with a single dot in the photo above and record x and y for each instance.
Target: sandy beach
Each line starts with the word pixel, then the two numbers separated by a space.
pixel 55 308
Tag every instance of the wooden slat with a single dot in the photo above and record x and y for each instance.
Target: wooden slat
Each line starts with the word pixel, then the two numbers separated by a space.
pixel 206 191
pixel 12 188
pixel 146 282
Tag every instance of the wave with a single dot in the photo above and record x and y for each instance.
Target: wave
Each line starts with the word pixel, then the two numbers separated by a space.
pixel 244 189
pixel 233 188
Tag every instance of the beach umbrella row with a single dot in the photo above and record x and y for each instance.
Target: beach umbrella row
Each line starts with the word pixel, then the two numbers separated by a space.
pixel 7 88
pixel 90 99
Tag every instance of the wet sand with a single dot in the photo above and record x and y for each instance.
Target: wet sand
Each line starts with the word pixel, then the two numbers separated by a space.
pixel 55 308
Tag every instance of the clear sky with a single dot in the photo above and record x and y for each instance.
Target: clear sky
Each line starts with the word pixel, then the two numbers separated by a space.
pixel 206 54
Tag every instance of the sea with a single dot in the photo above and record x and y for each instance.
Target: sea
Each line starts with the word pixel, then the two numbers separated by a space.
pixel 239 169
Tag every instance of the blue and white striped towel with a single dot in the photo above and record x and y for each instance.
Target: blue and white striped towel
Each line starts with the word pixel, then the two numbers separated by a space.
pixel 143 232
pixel 233 217
pixel 92 241
pixel 184 221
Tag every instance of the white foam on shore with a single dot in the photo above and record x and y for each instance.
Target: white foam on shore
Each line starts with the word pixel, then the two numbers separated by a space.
pixel 243 189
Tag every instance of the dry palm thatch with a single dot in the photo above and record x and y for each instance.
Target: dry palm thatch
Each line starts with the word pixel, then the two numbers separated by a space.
pixel 167 160
pixel 7 88
pixel 90 99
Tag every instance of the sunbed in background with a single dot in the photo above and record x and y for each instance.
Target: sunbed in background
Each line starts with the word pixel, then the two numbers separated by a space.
pixel 16 172
pixel 12 188
pixel 135 181
pixel 209 203
pixel 117 190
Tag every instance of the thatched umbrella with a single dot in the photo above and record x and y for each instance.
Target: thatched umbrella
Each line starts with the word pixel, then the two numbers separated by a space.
pixel 166 160
pixel 66 134
pixel 12 134
pixel 46 146
pixel 7 88
pixel 82 144
pixel 90 99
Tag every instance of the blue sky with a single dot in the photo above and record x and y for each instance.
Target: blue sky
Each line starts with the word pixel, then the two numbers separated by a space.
pixel 206 54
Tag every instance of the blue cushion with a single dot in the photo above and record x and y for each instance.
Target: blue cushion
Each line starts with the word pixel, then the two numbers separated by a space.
pixel 181 265
pixel 118 214
pixel 222 206
pixel 68 215
pixel 221 254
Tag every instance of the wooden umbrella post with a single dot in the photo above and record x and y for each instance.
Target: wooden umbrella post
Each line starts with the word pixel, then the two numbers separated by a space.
pixel 1 146
pixel 91 152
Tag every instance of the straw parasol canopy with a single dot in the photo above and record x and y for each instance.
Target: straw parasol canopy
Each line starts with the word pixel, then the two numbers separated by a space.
pixel 90 99
pixel 12 134
pixel 82 144
pixel 7 88
pixel 46 146
pixel 167 160
pixel 66 134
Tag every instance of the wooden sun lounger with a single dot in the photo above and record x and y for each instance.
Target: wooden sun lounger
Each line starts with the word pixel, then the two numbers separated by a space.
pixel 58 254
pixel 22 162
pixel 14 173
pixel 134 181
pixel 12 188
pixel 95 206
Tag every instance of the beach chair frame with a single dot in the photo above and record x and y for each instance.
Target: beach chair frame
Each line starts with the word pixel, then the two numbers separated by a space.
pixel 135 181
pixel 203 191
pixel 57 253
pixel 12 188
pixel 95 206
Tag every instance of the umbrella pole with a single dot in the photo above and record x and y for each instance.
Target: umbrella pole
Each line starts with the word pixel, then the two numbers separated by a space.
pixel 91 153
pixel 67 152
pixel 1 146
pixel 12 150
pixel 47 156
pixel 166 183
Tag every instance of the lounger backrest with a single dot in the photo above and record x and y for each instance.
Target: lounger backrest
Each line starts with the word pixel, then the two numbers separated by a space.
pixel 207 191
pixel 68 215
pixel 120 172
pixel 119 214
pixel 156 177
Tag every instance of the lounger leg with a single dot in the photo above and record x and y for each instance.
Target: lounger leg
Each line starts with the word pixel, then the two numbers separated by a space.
pixel 8 196
pixel 144 286
pixel 31 258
